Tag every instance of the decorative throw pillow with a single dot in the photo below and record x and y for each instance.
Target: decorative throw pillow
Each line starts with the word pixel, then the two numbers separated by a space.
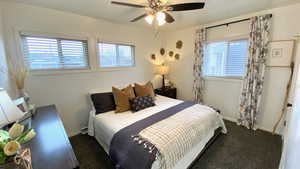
pixel 103 102
pixel 144 90
pixel 122 98
pixel 140 103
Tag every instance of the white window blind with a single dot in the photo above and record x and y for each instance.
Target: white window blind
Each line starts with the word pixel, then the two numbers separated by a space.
pixel 43 53
pixel 116 55
pixel 226 58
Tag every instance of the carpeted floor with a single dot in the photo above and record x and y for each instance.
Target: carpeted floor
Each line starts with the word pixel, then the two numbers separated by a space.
pixel 239 149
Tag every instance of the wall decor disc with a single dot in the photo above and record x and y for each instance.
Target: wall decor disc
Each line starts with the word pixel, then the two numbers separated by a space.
pixel 179 44
pixel 171 54
pixel 153 57
pixel 177 56
pixel 162 51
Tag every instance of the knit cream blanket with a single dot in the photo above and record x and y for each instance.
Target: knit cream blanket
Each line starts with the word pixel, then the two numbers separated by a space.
pixel 177 135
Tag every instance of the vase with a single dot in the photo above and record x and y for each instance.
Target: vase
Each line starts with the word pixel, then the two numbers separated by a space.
pixel 22 160
pixel 23 93
pixel 10 165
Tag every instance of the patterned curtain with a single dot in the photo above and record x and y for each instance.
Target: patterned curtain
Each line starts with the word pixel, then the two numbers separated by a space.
pixel 253 83
pixel 198 86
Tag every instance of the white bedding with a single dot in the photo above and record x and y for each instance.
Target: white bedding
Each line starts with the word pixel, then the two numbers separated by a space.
pixel 104 126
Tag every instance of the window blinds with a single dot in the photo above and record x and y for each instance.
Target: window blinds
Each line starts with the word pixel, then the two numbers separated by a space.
pixel 226 58
pixel 236 58
pixel 116 55
pixel 43 53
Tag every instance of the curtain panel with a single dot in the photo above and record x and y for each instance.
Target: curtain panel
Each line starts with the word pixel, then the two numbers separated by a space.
pixel 198 86
pixel 252 88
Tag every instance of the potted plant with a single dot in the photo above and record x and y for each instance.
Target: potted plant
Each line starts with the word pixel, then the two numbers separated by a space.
pixel 18 71
pixel 11 147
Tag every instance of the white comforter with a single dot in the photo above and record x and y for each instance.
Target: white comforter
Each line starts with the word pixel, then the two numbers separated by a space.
pixel 104 126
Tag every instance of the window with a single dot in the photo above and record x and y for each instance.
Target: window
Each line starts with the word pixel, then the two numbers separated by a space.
pixel 43 53
pixel 225 58
pixel 116 55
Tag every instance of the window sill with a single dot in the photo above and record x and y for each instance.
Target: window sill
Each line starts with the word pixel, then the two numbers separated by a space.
pixel 111 69
pixel 77 71
pixel 224 79
pixel 58 72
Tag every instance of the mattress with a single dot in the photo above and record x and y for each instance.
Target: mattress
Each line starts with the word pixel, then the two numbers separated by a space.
pixel 107 124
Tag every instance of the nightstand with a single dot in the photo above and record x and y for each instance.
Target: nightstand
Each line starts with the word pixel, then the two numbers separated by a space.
pixel 168 92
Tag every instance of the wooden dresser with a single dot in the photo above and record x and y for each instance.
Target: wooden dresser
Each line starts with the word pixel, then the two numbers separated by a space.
pixel 51 148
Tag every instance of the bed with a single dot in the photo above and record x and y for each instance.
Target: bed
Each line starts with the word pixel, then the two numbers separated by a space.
pixel 104 127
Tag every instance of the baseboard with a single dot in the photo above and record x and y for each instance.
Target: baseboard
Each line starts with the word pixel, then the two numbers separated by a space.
pixel 259 127
pixel 73 133
pixel 230 119
pixel 83 130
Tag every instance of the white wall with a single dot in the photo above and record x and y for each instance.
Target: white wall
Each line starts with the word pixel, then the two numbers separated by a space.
pixel 291 149
pixel 69 91
pixel 224 94
pixel 4 79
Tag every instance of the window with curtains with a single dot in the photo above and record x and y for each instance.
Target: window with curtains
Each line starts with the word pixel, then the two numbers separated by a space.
pixel 113 55
pixel 43 53
pixel 226 58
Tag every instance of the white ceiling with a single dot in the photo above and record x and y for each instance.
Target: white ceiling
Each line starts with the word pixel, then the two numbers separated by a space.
pixel 213 11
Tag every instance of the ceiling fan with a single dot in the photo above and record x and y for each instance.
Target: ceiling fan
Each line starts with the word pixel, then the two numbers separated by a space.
pixel 159 10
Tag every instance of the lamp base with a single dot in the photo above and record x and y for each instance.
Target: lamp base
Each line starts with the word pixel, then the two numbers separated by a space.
pixel 163 82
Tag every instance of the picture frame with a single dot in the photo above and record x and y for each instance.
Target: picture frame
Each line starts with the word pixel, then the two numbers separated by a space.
pixel 281 53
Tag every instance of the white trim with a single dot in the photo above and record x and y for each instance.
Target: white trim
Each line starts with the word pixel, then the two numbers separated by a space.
pixel 120 42
pixel 224 79
pixel 20 53
pixel 52 35
pixel 74 133
pixel 229 119
pixel 59 72
pixel 258 127
pixel 112 69
pixel 117 68
pixel 230 38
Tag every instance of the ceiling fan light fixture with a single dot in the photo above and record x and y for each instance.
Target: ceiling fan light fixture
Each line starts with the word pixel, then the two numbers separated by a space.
pixel 149 19
pixel 161 22
pixel 160 18
pixel 158 10
pixel 163 1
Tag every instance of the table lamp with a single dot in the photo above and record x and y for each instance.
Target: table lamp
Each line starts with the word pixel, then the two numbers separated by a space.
pixel 163 70
pixel 9 112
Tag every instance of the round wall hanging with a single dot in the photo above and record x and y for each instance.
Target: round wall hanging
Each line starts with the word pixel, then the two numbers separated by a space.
pixel 153 57
pixel 177 56
pixel 171 54
pixel 179 44
pixel 162 51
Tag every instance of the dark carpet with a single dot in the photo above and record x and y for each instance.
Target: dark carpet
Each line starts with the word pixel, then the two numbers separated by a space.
pixel 239 149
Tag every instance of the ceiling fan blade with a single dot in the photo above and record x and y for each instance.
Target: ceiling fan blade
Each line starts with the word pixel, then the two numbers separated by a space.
pixel 128 4
pixel 187 6
pixel 138 18
pixel 169 18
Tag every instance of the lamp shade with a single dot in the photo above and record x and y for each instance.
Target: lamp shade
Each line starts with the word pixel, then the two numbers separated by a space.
pixel 9 112
pixel 162 70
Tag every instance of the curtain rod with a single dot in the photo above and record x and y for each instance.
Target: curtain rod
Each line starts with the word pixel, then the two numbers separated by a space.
pixel 229 23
